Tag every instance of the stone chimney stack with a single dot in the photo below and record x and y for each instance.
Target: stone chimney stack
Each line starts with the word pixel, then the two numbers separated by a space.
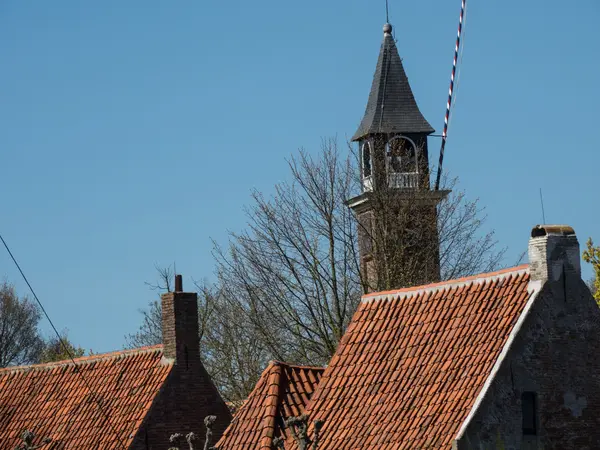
pixel 180 325
pixel 553 250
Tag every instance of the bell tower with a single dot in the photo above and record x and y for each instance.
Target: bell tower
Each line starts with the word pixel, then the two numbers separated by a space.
pixel 397 209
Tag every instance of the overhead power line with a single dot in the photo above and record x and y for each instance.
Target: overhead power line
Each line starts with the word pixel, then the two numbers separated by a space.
pixel 450 92
pixel 64 345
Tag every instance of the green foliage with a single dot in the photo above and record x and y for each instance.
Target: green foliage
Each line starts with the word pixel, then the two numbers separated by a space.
pixel 499 441
pixel 591 255
pixel 55 350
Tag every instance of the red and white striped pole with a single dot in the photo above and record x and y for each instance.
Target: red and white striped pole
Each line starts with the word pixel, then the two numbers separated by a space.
pixel 450 91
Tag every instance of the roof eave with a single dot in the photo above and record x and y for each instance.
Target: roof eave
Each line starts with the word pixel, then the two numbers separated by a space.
pixel 360 135
pixel 390 87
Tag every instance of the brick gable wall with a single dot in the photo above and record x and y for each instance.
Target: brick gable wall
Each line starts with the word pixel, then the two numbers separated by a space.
pixel 188 395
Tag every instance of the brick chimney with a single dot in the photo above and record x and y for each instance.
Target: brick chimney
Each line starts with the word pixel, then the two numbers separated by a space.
pixel 188 394
pixel 553 250
pixel 180 325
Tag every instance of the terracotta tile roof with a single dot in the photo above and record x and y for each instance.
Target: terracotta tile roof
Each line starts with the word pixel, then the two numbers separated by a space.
pixel 282 391
pixel 412 362
pixel 53 401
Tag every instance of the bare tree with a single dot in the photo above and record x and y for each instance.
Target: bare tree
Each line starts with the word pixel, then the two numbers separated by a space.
pixel 410 234
pixel 413 237
pixel 289 283
pixel 230 349
pixel 294 272
pixel 465 249
pixel 20 342
pixel 150 331
pixel 166 277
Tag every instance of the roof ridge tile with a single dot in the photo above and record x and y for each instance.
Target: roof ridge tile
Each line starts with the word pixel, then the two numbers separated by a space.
pixel 282 390
pixel 433 288
pixel 88 359
pixel 416 362
pixel 54 397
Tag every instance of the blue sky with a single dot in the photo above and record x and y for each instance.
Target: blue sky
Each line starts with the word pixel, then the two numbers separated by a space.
pixel 132 132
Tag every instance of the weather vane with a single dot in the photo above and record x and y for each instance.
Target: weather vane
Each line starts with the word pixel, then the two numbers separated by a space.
pixel 387 13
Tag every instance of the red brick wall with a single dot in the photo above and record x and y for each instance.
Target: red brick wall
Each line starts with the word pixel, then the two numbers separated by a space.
pixel 188 395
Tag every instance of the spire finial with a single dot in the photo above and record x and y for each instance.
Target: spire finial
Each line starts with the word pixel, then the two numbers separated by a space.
pixel 387 29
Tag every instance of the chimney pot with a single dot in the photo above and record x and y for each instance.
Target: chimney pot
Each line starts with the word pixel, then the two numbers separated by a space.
pixel 553 250
pixel 178 283
pixel 180 332
pixel 544 230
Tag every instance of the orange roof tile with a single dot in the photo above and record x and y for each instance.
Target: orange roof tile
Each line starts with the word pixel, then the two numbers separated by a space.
pixel 282 391
pixel 53 401
pixel 413 361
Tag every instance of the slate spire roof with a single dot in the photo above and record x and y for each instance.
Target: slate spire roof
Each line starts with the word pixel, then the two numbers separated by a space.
pixel 391 107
